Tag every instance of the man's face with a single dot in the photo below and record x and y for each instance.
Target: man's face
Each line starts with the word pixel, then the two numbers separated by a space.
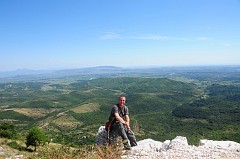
pixel 121 101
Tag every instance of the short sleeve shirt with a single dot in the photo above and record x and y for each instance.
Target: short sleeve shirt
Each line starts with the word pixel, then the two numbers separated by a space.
pixel 116 109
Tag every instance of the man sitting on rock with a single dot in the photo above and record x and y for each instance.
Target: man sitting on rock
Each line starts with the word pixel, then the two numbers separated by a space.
pixel 120 124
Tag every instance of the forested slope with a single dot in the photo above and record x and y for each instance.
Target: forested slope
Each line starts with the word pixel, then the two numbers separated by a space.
pixel 71 111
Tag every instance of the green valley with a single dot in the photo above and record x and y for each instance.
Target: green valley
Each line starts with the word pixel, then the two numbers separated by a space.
pixel 70 106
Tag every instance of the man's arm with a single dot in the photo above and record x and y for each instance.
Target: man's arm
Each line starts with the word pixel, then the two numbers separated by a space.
pixel 119 118
pixel 127 122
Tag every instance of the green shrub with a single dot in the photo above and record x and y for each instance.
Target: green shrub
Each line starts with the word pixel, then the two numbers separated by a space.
pixel 35 138
pixel 7 130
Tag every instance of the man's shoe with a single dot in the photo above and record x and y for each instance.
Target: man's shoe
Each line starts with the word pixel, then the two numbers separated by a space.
pixel 126 145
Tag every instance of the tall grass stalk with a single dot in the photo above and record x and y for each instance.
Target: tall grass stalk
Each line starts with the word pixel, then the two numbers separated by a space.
pixel 87 152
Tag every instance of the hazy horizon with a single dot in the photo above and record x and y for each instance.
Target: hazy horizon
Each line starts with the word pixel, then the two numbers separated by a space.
pixel 126 67
pixel 60 34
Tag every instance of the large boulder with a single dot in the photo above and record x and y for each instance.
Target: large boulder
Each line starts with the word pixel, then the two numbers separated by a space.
pixel 102 136
pixel 178 142
pixel 148 145
pixel 143 149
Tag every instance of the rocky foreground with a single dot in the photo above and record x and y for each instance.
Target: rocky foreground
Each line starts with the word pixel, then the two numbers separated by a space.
pixel 178 148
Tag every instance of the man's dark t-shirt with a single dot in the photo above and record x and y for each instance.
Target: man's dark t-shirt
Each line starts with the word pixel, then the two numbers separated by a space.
pixel 116 109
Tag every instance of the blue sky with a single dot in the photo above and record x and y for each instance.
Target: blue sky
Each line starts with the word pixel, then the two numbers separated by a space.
pixel 55 34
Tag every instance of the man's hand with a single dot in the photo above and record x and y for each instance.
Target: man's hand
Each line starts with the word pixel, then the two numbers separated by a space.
pixel 128 125
pixel 121 120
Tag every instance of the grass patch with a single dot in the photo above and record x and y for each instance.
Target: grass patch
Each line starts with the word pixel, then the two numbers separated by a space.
pixel 192 120
pixel 35 112
pixel 85 108
pixel 87 152
pixel 66 121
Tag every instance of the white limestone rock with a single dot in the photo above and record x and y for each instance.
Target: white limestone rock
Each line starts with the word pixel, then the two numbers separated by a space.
pixel 148 145
pixel 178 142
pixel 143 149
pixel 1 151
pixel 228 145
pixel 165 145
pixel 101 136
pixel 176 148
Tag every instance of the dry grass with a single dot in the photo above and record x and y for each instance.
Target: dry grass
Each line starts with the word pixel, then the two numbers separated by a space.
pixel 89 107
pixel 9 152
pixel 34 112
pixel 57 151
pixel 66 121
pixel 88 152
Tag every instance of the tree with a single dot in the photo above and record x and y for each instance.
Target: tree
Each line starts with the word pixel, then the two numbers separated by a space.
pixel 35 137
pixel 7 130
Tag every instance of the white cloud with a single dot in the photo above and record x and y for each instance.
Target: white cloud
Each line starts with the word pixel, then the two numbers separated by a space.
pixel 150 37
pixel 157 37
pixel 113 36
pixel 109 36
pixel 203 38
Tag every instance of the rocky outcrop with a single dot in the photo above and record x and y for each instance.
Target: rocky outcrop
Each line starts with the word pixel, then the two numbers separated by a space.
pixel 101 136
pixel 177 148
pixel 228 145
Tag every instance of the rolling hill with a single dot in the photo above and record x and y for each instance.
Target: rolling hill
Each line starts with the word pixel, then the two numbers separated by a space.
pixel 163 103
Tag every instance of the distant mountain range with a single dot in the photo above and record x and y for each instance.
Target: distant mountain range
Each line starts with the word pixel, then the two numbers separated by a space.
pixel 22 72
pixel 110 70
